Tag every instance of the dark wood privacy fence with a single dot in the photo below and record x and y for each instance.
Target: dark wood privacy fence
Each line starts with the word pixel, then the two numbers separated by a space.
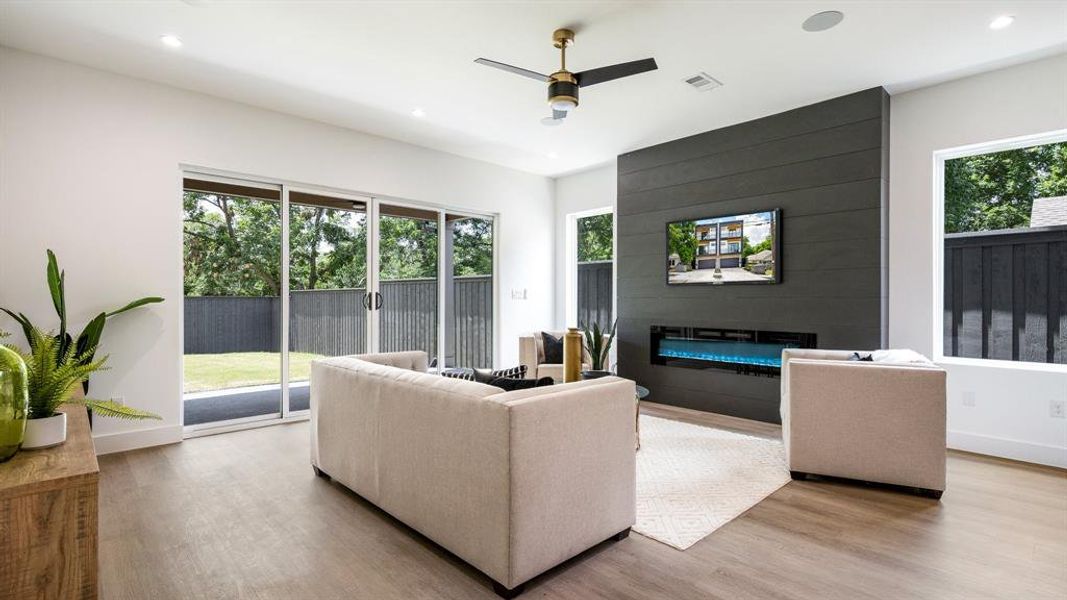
pixel 1006 295
pixel 333 322
pixel 595 293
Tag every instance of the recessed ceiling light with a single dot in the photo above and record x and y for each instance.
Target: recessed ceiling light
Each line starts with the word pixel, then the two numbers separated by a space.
pixel 418 113
pixel 1001 22
pixel 553 155
pixel 823 20
pixel 171 41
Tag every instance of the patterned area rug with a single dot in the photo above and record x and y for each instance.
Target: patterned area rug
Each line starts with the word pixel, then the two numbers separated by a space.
pixel 691 480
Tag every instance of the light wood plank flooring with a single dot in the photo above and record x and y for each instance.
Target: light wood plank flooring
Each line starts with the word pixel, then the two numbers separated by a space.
pixel 241 515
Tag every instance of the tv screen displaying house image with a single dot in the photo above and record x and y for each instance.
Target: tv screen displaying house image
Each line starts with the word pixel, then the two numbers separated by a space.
pixel 730 249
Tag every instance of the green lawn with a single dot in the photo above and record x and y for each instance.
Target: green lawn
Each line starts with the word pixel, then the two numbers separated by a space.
pixel 205 372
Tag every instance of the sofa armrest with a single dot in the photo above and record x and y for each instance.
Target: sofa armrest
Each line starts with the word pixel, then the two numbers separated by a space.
pixel 528 355
pixel 793 354
pixel 572 470
pixel 867 421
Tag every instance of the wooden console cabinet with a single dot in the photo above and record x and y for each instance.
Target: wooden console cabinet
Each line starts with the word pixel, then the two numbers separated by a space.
pixel 48 518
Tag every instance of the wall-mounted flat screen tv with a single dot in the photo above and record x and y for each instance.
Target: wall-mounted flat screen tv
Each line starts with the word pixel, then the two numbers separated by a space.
pixel 724 250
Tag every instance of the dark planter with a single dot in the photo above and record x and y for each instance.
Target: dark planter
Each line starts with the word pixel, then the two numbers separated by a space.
pixel 594 374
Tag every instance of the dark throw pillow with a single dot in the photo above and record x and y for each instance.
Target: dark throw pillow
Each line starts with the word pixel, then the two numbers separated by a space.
pixel 856 357
pixel 553 349
pixel 510 385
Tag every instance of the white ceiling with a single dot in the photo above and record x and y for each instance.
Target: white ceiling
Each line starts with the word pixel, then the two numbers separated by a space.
pixel 366 65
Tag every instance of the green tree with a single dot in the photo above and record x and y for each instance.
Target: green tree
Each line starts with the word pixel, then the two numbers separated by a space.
pixel 472 247
pixel 682 240
pixel 595 237
pixel 748 249
pixel 407 248
pixel 233 247
pixel 997 190
pixel 327 248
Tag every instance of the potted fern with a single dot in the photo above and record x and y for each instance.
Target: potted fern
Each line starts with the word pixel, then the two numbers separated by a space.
pixel 598 345
pixel 54 374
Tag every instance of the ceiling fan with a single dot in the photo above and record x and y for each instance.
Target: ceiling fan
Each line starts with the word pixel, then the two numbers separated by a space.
pixel 563 85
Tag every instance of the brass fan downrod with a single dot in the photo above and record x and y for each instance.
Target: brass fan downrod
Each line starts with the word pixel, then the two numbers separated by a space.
pixel 564 86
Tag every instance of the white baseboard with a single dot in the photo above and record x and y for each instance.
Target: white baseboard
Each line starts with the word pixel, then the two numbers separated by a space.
pixel 142 438
pixel 1054 456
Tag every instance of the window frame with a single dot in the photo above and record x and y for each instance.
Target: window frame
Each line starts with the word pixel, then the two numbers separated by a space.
pixel 938 219
pixel 570 286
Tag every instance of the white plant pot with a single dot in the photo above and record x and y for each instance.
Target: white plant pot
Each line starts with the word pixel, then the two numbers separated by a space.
pixel 43 433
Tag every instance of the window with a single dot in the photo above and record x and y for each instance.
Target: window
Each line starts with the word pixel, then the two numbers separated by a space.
pixel 595 253
pixel 1005 252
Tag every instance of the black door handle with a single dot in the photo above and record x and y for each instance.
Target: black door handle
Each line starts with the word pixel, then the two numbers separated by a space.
pixel 366 301
pixel 377 300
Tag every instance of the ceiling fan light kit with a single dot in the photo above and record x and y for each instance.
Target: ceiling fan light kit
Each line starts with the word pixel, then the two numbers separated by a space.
pixel 563 85
pixel 563 90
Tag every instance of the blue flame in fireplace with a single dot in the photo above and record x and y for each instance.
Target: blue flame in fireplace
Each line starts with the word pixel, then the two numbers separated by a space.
pixel 740 353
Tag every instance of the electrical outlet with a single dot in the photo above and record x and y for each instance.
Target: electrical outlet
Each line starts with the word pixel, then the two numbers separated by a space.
pixel 1057 409
pixel 968 398
pixel 119 400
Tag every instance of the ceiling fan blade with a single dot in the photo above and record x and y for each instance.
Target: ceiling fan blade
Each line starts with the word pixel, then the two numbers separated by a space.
pixel 602 74
pixel 559 114
pixel 513 69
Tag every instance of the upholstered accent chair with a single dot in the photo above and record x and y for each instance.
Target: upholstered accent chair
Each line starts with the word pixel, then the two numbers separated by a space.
pixel 881 421
pixel 532 354
pixel 514 483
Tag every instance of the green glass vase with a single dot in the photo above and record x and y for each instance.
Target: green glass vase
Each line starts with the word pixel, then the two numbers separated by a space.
pixel 14 402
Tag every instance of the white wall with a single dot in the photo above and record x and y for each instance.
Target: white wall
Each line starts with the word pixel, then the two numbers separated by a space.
pixel 89 166
pixel 1010 417
pixel 587 190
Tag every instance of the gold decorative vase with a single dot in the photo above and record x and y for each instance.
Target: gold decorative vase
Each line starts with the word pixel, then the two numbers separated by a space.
pixel 572 355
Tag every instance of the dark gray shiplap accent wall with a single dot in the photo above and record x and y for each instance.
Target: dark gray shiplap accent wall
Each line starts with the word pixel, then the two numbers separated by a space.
pixel 827 167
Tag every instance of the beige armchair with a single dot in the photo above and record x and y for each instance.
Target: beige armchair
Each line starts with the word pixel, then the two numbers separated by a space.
pixel 876 421
pixel 532 354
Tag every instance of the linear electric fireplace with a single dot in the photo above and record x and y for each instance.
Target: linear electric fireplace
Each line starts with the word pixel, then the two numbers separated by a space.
pixel 746 351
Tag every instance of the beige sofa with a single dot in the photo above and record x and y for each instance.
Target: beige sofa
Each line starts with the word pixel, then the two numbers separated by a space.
pixel 532 354
pixel 879 422
pixel 513 483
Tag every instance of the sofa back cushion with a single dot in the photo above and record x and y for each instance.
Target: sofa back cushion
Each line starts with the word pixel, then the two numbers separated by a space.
pixel 414 360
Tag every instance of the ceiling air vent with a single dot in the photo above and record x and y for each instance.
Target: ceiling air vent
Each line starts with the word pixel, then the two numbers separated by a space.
pixel 703 82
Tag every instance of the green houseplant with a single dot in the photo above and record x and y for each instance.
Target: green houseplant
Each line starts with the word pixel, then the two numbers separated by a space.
pixel 85 344
pixel 53 376
pixel 598 344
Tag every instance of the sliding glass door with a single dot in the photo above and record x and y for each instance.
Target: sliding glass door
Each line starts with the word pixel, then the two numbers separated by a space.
pixel 406 300
pixel 277 276
pixel 468 290
pixel 327 309
pixel 233 351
